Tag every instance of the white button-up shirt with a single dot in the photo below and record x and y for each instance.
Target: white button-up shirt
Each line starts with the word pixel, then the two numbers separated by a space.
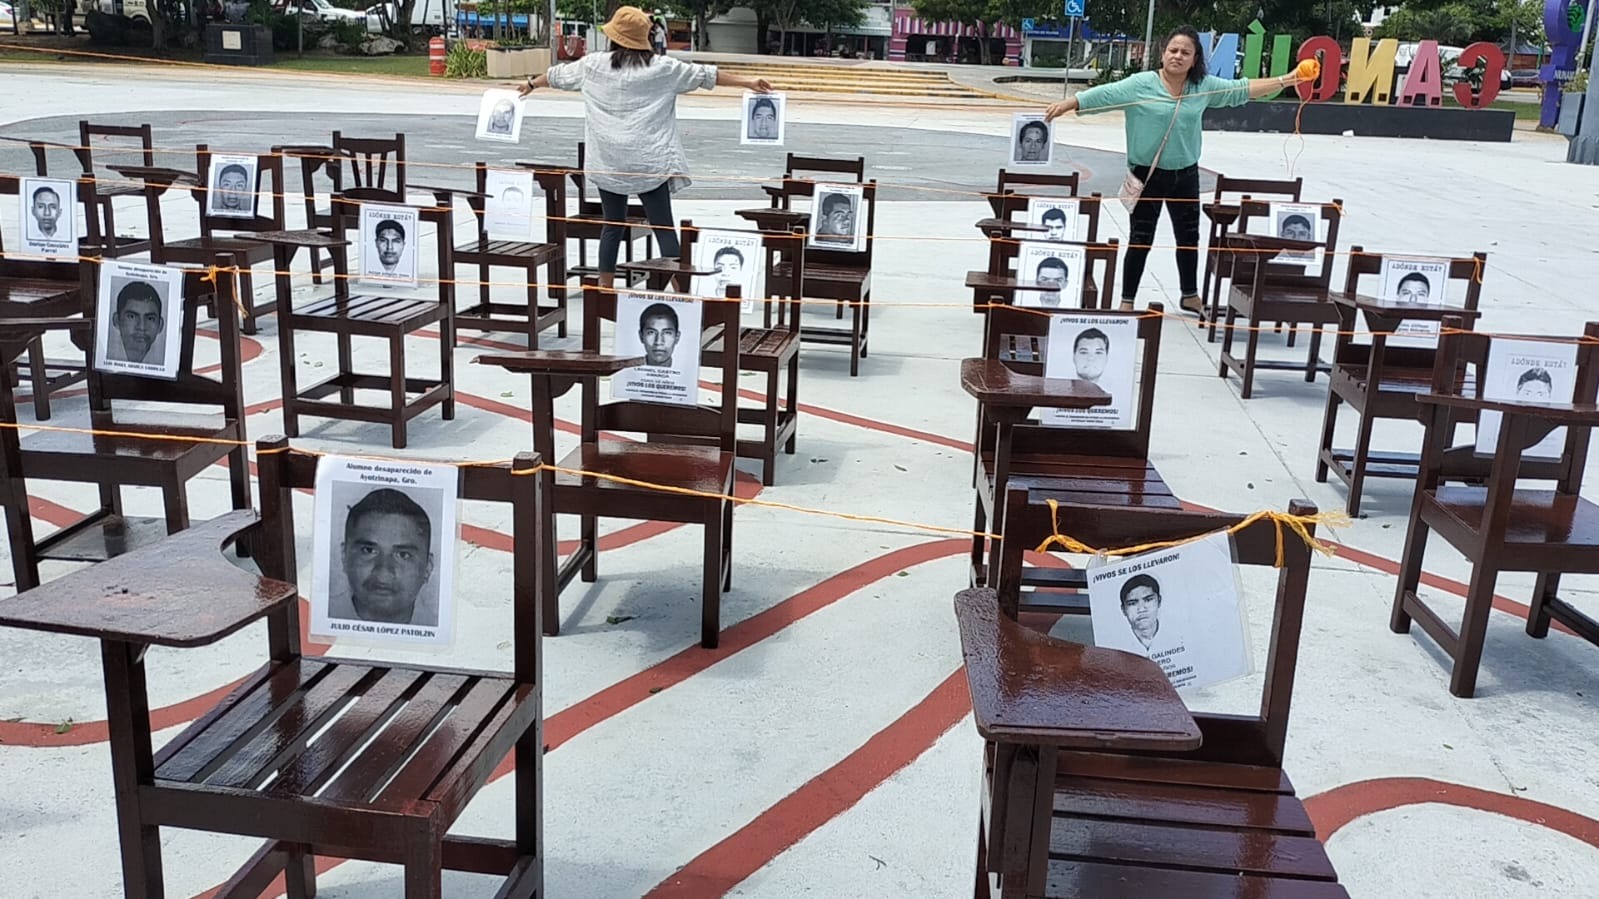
pixel 630 122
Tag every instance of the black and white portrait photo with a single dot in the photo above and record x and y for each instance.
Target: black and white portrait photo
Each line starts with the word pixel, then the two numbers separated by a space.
pixel 138 319
pixel 1298 221
pixel 665 330
pixel 508 208
pixel 733 257
pixel 499 116
pixel 1054 265
pixel 763 118
pixel 49 218
pixel 1058 216
pixel 230 186
pixel 1414 281
pixel 1533 372
pixel 1032 140
pixel 837 218
pixel 1102 350
pixel 384 554
pixel 388 244
pixel 1181 606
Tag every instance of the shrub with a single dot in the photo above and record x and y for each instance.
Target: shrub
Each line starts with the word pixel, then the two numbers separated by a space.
pixel 464 62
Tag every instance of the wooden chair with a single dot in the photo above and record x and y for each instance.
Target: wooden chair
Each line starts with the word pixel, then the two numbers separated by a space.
pixel 352 758
pixel 36 288
pixel 347 315
pixel 1485 510
pixel 1222 212
pixel 586 225
pixel 1097 780
pixel 18 335
pixel 1378 381
pixel 770 351
pixel 180 430
pixel 100 205
pixel 596 479
pixel 524 255
pixel 1090 465
pixel 314 160
pixel 239 243
pixel 999 284
pixel 1265 291
pixel 839 275
pixel 375 163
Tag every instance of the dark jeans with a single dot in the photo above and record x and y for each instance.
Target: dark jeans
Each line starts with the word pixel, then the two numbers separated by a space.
pixel 657 208
pixel 1179 190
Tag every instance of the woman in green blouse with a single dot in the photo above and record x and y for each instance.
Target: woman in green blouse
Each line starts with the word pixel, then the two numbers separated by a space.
pixel 1170 99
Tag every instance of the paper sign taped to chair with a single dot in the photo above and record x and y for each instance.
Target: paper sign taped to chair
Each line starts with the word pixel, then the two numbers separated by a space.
pixel 735 257
pixel 838 218
pixel 1418 281
pixel 508 208
pixel 49 216
pixel 1053 264
pixel 665 330
pixel 139 320
pixel 383 557
pixel 231 186
pixel 1298 221
pixel 499 116
pixel 1528 372
pixel 1060 215
pixel 1099 349
pixel 389 235
pixel 1181 607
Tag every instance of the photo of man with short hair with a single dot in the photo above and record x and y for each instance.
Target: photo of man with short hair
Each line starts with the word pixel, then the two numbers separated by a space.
pixel 137 324
pixel 1141 605
pixel 1296 227
pixel 763 119
pixel 46 209
pixel 837 222
pixel 501 117
pixel 389 241
pixel 1032 143
pixel 1535 385
pixel 1054 220
pixel 729 265
pixel 658 332
pixel 1052 271
pixel 1090 354
pixel 387 558
pixel 231 192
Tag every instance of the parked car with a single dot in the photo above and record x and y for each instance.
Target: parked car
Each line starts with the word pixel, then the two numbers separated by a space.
pixel 7 17
pixel 1524 78
pixel 427 16
pixel 321 9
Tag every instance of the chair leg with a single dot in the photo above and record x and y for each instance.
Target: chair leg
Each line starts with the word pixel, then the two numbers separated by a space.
pixel 1226 342
pixel 1313 355
pixel 558 293
pixel 1409 568
pixel 711 599
pixel 1293 331
pixel 980 889
pixel 727 546
pixel 1357 462
pixel 424 871
pixel 248 315
pixel 1329 424
pixel 1251 349
pixel 299 875
pixel 1545 589
pixel 979 544
pixel 175 496
pixel 19 528
pixel 793 402
pixel 769 431
pixel 346 366
pixel 483 283
pixel 550 561
pixel 447 337
pixel 532 308
pixel 397 390
pixel 239 476
pixel 589 544
pixel 1473 630
pixel 40 375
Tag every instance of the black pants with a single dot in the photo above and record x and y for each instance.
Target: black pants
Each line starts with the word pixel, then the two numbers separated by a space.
pixel 1179 190
pixel 657 208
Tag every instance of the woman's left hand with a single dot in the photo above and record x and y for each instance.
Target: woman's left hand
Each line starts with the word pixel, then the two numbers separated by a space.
pixel 524 89
pixel 760 86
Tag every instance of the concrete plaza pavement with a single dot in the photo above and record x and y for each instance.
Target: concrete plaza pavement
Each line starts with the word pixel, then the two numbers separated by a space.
pixel 829 752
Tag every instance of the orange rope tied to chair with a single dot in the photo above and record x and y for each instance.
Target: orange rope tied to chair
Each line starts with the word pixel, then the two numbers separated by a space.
pixel 1299 524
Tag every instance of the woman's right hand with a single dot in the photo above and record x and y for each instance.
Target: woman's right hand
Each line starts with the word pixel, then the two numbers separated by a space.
pixel 525 89
pixel 1060 108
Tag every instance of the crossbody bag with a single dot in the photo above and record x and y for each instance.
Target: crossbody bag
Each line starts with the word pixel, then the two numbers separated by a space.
pixel 1133 186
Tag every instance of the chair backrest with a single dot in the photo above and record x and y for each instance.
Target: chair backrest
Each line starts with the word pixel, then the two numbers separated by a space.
pixel 707 422
pixel 802 173
pixel 787 292
pixel 346 214
pixel 283 470
pixel 1461 370
pixel 1052 185
pixel 269 187
pixel 1013 207
pixel 1255 188
pixel 1288 276
pixel 862 260
pixel 114 141
pixel 551 182
pixel 1100 258
pixel 1020 339
pixel 1461 288
pixel 374 162
pixel 222 388
pixel 1247 739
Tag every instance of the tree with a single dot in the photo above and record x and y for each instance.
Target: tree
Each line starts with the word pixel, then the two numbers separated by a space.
pixel 784 15
pixel 700 12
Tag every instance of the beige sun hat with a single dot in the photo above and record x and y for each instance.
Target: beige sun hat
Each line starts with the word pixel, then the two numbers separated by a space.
pixel 629 27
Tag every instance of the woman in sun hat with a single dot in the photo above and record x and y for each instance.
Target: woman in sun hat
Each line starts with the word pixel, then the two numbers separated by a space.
pixel 630 126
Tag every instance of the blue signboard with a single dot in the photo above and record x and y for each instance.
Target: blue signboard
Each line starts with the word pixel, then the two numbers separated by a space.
pixel 1074 9
pixel 1027 24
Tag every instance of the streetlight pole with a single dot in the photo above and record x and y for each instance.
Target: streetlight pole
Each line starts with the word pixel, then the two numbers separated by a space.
pixel 1149 37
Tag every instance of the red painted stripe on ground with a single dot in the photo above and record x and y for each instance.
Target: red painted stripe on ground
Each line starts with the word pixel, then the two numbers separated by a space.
pixel 724 866
pixel 1332 810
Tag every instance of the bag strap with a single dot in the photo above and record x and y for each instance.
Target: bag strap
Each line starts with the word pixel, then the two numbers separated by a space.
pixel 1163 140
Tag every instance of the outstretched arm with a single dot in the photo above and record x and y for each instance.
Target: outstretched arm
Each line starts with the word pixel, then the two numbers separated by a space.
pixel 728 79
pixel 532 84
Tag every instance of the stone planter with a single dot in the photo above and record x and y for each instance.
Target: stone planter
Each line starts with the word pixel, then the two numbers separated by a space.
pixel 517 62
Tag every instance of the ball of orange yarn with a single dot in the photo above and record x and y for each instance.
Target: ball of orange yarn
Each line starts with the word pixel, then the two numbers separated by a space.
pixel 1308 69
